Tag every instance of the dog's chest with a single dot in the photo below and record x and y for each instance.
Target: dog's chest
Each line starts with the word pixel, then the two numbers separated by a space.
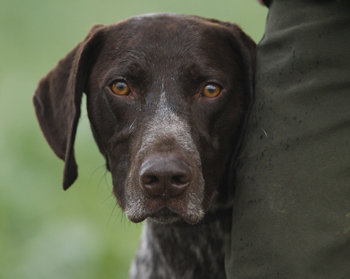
pixel 180 252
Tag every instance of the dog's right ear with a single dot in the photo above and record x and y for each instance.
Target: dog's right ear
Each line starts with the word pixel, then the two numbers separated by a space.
pixel 58 96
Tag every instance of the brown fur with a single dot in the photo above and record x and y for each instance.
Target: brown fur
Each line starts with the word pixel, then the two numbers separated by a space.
pixel 166 60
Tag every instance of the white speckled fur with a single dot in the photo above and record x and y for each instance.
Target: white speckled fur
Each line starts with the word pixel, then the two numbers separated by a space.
pixel 166 125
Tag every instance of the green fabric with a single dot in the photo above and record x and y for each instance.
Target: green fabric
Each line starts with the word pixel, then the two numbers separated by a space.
pixel 291 217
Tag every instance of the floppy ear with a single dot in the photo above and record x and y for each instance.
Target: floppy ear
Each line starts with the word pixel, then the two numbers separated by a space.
pixel 57 100
pixel 244 46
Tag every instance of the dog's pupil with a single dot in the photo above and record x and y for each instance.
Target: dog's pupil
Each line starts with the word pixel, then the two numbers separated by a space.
pixel 121 86
pixel 211 89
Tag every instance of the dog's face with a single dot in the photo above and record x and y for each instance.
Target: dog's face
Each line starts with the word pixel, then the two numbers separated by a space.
pixel 167 100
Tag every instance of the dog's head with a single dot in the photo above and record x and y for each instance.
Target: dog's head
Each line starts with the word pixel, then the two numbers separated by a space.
pixel 167 98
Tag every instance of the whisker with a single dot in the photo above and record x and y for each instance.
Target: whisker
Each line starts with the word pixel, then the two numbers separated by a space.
pixel 110 196
pixel 110 216
pixel 93 173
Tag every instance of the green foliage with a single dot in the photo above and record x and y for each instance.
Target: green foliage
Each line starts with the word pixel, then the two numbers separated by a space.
pixel 44 231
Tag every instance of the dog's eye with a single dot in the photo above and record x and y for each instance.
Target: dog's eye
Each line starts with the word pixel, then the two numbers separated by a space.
pixel 120 88
pixel 211 90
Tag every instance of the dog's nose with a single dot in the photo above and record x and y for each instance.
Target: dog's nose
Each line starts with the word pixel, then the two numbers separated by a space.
pixel 165 175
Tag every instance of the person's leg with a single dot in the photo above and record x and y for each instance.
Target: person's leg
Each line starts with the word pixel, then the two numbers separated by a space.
pixel 291 217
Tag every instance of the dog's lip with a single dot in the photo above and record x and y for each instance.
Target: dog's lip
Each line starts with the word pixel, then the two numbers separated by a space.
pixel 166 212
pixel 169 215
pixel 165 215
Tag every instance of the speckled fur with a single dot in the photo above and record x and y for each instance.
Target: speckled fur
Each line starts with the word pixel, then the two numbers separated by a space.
pixel 182 252
pixel 167 126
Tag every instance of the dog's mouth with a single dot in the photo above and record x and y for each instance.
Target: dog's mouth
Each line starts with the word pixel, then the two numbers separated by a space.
pixel 165 211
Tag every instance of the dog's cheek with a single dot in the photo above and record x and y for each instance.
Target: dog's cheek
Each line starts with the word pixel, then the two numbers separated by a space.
pixel 101 116
pixel 211 174
pixel 119 172
pixel 218 152
pixel 126 166
pixel 116 149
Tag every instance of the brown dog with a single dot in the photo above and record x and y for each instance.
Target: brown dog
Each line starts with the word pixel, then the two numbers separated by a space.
pixel 167 98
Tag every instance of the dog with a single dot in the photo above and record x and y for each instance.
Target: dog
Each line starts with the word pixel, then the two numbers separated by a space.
pixel 168 97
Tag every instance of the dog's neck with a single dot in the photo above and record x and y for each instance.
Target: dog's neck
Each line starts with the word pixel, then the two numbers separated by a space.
pixel 183 251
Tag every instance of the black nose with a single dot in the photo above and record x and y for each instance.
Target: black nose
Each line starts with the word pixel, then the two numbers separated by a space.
pixel 165 175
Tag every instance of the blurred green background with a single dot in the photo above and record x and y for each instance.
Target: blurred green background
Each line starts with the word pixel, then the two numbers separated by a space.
pixel 44 231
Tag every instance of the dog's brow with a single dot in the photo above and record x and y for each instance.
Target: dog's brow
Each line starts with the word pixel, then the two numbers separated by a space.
pixel 137 54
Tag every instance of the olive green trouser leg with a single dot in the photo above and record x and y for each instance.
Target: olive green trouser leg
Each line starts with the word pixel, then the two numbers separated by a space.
pixel 291 217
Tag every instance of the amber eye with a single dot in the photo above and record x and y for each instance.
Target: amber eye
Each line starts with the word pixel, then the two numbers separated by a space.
pixel 120 88
pixel 211 90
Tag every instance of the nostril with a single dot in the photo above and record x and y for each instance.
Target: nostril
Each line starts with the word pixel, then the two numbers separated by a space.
pixel 179 180
pixel 151 185
pixel 179 184
pixel 149 179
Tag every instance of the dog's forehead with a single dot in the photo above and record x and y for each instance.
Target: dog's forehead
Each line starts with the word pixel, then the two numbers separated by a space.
pixel 165 44
pixel 165 34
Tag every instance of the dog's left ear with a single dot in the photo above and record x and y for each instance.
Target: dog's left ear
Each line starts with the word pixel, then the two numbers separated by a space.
pixel 57 100
pixel 245 47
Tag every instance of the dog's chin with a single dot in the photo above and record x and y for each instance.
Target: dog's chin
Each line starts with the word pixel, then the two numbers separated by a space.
pixel 165 216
